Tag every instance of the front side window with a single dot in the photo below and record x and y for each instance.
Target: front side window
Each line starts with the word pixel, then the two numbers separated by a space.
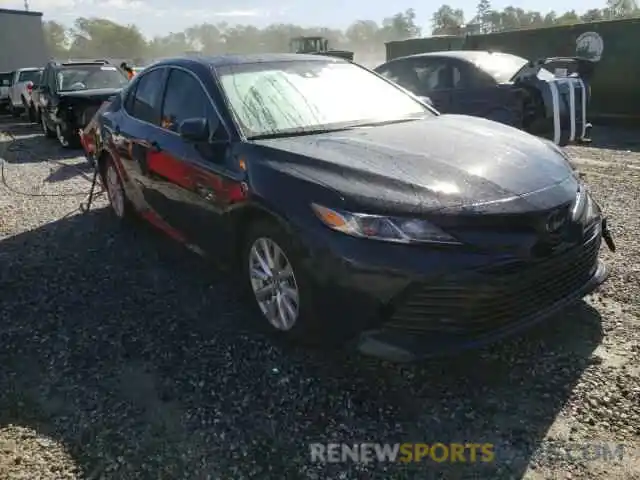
pixel 273 98
pixel 184 98
pixel 88 77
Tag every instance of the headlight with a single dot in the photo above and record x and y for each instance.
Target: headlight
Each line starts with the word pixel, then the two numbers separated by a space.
pixel 390 229
pixel 585 209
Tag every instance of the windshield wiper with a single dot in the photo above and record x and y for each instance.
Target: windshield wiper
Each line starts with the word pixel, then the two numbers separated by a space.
pixel 298 133
pixel 380 123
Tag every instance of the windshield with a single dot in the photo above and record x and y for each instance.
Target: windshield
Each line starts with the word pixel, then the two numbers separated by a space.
pixel 503 66
pixel 88 77
pixel 29 76
pixel 302 96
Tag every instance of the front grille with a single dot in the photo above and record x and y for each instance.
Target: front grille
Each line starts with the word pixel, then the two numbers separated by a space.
pixel 495 296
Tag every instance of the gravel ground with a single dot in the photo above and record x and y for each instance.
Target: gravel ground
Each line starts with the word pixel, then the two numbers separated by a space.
pixel 126 357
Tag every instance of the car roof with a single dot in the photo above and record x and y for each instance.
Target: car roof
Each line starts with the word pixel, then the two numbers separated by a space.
pixel 223 60
pixel 466 55
pixel 30 69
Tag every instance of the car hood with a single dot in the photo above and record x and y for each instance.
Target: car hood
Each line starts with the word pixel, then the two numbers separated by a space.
pixel 101 94
pixel 440 162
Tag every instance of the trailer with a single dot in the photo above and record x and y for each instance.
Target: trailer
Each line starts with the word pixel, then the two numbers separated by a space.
pixel 22 43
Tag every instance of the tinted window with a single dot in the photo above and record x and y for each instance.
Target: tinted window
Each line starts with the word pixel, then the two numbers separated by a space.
pixel 5 79
pixel 421 76
pixel 392 72
pixel 87 77
pixel 184 98
pixel 146 104
pixel 500 66
pixel 29 76
pixel 130 99
pixel 432 75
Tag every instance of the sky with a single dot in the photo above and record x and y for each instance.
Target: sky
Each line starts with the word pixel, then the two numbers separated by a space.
pixel 159 17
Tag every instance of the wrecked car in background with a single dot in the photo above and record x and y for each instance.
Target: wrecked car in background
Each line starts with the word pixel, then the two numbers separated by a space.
pixel 504 88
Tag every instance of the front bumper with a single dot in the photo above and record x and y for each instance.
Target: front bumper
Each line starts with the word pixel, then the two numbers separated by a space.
pixel 402 346
pixel 428 303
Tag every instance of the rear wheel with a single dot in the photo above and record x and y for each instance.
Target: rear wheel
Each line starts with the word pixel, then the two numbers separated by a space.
pixel 120 205
pixel 15 112
pixel 29 110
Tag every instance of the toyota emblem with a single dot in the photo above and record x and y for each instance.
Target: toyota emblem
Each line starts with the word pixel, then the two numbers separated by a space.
pixel 555 221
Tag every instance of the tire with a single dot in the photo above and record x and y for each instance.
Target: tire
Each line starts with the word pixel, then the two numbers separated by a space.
pixel 28 109
pixel 66 139
pixel 33 116
pixel 121 208
pixel 45 128
pixel 308 326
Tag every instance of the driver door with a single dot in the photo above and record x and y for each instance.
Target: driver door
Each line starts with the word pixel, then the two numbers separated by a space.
pixel 191 184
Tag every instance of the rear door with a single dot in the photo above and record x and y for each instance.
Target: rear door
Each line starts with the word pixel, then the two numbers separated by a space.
pixel 134 133
pixel 193 183
pixel 474 92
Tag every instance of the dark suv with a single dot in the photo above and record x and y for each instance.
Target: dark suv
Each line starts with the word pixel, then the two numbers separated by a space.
pixel 70 93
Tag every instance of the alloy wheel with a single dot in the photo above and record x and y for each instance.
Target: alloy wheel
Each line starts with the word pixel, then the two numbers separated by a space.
pixel 115 191
pixel 274 284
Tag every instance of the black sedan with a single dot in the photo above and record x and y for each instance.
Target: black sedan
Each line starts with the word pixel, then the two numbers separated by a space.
pixel 502 87
pixel 351 208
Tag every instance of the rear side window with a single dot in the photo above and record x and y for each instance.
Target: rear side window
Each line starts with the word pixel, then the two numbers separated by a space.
pixel 145 104
pixel 5 80
pixel 184 98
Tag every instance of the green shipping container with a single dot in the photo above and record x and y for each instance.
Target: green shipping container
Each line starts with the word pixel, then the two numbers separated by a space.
pixel 413 46
pixel 614 86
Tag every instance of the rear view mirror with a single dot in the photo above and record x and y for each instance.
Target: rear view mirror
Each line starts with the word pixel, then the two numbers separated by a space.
pixel 195 129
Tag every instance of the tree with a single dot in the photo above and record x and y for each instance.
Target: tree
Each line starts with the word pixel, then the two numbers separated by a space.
pixel 55 36
pixel 447 21
pixel 621 8
pixel 593 15
pixel 97 37
pixel 482 17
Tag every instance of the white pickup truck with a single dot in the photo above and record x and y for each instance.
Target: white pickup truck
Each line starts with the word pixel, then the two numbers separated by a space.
pixel 5 83
pixel 23 82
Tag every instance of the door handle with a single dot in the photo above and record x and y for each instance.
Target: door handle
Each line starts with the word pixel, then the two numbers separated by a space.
pixel 155 146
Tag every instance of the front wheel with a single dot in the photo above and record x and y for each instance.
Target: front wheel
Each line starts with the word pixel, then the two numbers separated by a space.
pixel 45 128
pixel 66 138
pixel 281 289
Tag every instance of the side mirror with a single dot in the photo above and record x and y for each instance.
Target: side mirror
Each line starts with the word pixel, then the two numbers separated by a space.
pixel 195 129
pixel 426 100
